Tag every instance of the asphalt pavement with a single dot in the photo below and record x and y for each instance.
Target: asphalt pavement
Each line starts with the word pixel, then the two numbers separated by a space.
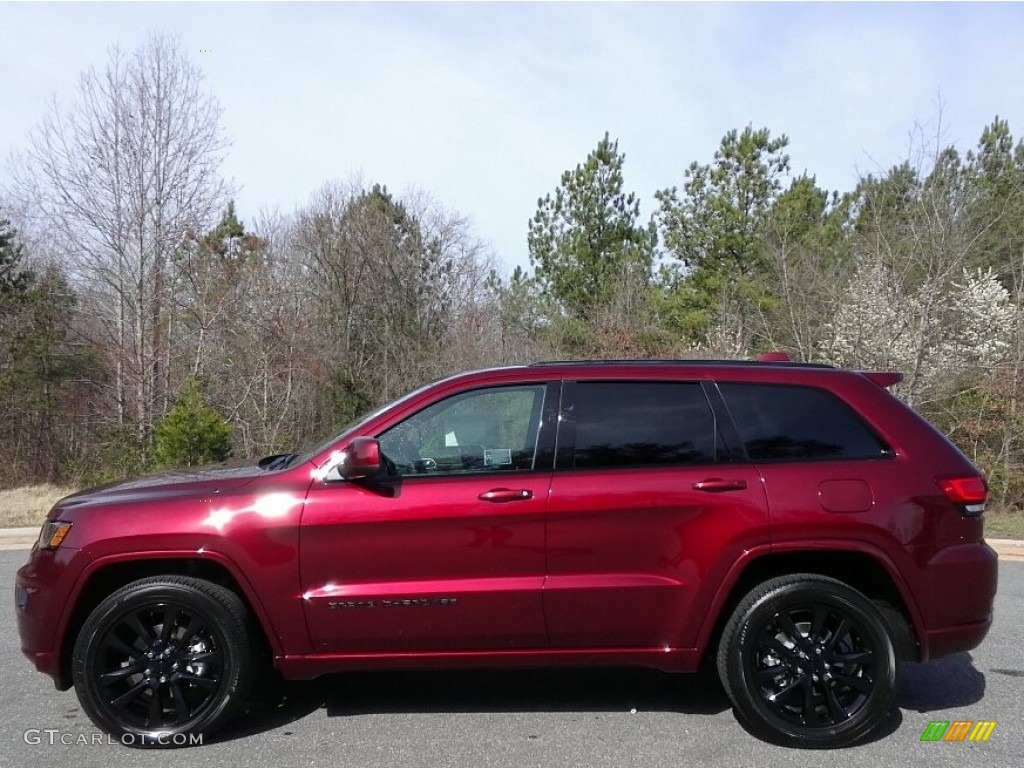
pixel 501 719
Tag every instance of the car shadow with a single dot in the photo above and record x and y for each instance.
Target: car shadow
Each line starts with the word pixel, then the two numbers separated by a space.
pixel 947 683
pixel 276 703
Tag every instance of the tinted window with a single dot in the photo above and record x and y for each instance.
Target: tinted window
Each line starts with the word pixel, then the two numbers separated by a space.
pixel 486 430
pixel 778 422
pixel 633 423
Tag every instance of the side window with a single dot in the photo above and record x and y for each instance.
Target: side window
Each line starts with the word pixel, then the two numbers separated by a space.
pixel 486 430
pixel 623 424
pixel 778 422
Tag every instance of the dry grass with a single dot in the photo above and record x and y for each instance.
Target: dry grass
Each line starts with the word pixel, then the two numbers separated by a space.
pixel 28 505
pixel 1004 525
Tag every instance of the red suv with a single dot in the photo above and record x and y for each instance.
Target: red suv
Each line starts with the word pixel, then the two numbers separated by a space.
pixel 795 524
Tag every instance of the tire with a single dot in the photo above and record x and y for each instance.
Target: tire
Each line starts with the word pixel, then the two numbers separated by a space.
pixel 808 661
pixel 164 660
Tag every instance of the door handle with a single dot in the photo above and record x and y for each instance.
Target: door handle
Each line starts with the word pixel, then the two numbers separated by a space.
pixel 718 485
pixel 501 495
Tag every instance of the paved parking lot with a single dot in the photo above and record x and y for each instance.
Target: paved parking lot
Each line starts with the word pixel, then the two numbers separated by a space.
pixel 506 719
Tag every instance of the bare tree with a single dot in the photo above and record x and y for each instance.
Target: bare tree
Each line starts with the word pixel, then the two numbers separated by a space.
pixel 122 176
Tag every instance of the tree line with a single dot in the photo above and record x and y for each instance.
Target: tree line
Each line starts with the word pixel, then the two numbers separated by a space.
pixel 144 323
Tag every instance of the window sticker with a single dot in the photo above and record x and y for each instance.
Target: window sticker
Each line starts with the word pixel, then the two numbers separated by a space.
pixel 497 457
pixel 450 440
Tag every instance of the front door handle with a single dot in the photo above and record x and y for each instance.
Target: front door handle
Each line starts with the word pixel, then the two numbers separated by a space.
pixel 501 495
pixel 718 485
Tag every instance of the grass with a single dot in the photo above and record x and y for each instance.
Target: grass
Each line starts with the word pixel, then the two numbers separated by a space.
pixel 1004 524
pixel 28 505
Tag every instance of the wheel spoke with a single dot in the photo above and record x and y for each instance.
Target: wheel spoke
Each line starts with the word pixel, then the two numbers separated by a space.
pixel 857 657
pixel 130 695
pixel 155 709
pixel 837 710
pixel 810 705
pixel 191 630
pixel 135 624
pixel 763 675
pixel 787 626
pixel 206 657
pixel 774 698
pixel 201 682
pixel 108 678
pixel 787 653
pixel 169 622
pixel 113 641
pixel 178 696
pixel 818 624
pixel 862 684
pixel 841 630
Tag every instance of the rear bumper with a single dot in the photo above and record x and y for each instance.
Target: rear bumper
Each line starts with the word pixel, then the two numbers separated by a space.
pixel 965 637
pixel 956 591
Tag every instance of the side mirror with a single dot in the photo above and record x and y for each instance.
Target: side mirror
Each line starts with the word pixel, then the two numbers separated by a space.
pixel 361 459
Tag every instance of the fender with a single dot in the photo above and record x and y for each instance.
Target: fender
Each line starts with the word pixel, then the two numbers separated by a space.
pixel 725 587
pixel 712 615
pixel 266 623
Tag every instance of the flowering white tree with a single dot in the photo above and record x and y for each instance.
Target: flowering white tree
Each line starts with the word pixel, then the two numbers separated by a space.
pixel 929 333
pixel 986 320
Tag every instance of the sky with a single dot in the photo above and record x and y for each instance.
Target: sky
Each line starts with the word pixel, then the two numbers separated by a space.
pixel 485 105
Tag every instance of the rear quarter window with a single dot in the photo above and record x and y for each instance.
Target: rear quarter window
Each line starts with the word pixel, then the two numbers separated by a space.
pixel 780 422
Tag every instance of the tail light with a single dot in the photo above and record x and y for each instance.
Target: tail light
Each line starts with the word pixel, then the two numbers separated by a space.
pixel 968 493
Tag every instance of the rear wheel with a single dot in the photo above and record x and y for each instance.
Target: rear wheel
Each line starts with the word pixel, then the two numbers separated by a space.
pixel 164 659
pixel 808 661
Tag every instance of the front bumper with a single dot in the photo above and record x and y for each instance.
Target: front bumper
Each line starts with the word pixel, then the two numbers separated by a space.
pixel 41 590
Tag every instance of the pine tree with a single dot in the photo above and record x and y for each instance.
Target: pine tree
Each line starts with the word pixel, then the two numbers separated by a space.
pixel 192 432
pixel 716 228
pixel 585 241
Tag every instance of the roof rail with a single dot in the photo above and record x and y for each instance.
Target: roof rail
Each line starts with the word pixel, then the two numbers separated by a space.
pixel 681 362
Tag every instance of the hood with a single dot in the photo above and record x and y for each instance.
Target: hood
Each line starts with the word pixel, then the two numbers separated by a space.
pixel 178 483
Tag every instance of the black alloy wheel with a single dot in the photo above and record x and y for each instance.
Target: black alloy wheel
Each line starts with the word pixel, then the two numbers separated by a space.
pixel 808 661
pixel 163 657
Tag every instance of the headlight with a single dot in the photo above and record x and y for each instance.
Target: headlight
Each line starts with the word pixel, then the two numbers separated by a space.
pixel 53 533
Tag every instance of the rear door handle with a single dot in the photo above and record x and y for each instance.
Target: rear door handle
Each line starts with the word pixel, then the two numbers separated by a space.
pixel 718 485
pixel 501 495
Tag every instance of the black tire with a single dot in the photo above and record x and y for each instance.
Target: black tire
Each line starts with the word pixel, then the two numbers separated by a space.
pixel 164 660
pixel 808 662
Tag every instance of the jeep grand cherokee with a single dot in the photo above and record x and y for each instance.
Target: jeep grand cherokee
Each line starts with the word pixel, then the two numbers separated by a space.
pixel 796 525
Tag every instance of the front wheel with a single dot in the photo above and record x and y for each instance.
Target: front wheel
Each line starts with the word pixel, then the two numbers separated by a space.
pixel 164 660
pixel 807 661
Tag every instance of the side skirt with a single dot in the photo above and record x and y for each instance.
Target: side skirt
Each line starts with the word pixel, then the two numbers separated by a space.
pixel 314 665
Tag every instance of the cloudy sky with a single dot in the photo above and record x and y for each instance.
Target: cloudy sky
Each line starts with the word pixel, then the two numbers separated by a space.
pixel 485 105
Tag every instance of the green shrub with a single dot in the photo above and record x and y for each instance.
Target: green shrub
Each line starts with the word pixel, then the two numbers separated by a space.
pixel 192 432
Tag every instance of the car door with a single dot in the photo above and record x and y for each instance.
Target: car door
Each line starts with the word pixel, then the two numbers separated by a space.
pixel 648 504
pixel 445 550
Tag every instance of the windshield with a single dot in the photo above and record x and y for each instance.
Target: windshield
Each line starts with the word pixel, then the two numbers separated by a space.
pixel 309 453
